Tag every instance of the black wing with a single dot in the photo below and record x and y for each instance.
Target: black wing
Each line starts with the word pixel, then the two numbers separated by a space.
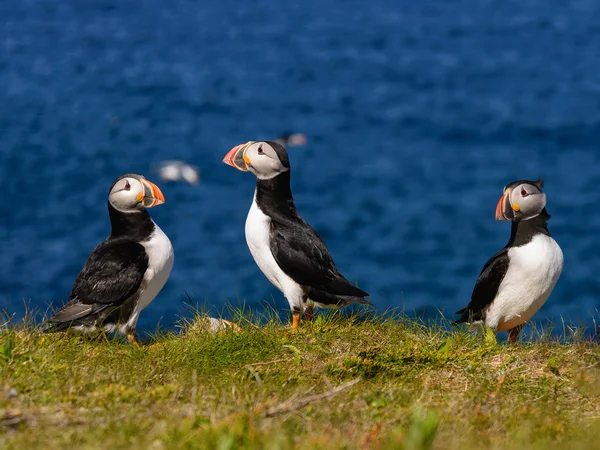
pixel 112 273
pixel 305 258
pixel 486 287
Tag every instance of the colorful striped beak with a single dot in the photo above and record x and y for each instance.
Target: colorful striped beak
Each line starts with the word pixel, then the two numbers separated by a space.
pixel 153 196
pixel 504 210
pixel 236 157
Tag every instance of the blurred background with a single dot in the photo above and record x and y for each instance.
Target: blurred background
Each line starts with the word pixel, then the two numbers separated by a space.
pixel 416 113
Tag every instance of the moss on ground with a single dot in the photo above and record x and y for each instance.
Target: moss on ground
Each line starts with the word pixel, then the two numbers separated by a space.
pixel 338 383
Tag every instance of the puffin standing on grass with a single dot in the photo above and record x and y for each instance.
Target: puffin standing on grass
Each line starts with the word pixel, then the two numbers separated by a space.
pixel 286 249
pixel 124 273
pixel 517 281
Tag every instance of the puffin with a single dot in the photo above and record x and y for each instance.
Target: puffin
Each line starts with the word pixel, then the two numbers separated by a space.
pixel 124 273
pixel 515 283
pixel 288 250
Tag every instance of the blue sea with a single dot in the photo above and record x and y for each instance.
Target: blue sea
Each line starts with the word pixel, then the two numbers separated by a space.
pixel 416 113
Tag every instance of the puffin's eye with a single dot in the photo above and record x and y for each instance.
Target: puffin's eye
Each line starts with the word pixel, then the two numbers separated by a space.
pixel 524 193
pixel 127 186
pixel 260 150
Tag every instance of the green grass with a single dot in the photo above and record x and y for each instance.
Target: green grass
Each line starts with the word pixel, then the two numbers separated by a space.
pixel 338 383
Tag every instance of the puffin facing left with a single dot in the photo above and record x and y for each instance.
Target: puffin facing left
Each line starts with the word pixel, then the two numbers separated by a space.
pixel 124 273
pixel 515 283
pixel 288 250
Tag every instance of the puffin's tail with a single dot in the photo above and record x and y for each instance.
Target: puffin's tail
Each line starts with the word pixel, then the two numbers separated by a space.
pixel 76 314
pixel 467 316
pixel 55 327
pixel 327 298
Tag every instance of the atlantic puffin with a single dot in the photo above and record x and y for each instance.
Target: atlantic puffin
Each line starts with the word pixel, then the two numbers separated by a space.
pixel 286 249
pixel 517 281
pixel 124 273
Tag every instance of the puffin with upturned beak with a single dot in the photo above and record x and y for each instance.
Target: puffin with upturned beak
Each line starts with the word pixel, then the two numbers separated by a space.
pixel 517 281
pixel 286 249
pixel 124 273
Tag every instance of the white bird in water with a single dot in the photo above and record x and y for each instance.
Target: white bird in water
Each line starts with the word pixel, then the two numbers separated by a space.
pixel 291 140
pixel 173 170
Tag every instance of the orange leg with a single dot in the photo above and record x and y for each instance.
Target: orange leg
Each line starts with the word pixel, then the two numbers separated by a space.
pixel 132 341
pixel 309 313
pixel 513 333
pixel 295 320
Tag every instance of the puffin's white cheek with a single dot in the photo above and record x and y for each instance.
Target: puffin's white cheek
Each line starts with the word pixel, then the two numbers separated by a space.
pixel 262 167
pixel 124 200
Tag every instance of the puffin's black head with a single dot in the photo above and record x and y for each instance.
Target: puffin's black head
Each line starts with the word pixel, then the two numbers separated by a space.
pixel 265 159
pixel 521 200
pixel 132 192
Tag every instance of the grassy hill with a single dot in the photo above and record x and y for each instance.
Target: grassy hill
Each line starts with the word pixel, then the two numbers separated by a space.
pixel 339 382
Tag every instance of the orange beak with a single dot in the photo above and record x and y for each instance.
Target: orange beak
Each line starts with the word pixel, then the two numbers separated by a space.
pixel 504 210
pixel 236 157
pixel 153 196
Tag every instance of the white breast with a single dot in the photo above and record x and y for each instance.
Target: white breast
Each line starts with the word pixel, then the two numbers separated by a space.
pixel 533 271
pixel 160 262
pixel 258 227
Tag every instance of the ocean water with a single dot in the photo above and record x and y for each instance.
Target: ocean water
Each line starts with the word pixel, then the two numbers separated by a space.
pixel 417 114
